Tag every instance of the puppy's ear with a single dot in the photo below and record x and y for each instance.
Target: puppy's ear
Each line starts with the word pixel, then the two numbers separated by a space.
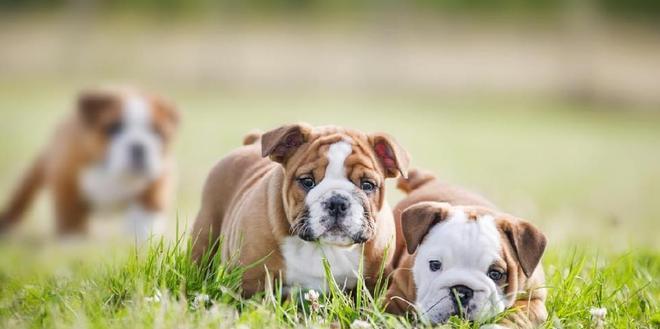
pixel 279 144
pixel 92 104
pixel 417 220
pixel 527 242
pixel 167 116
pixel 167 109
pixel 392 156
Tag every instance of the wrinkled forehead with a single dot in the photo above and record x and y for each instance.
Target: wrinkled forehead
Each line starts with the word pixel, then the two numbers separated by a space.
pixel 128 107
pixel 465 239
pixel 137 110
pixel 343 150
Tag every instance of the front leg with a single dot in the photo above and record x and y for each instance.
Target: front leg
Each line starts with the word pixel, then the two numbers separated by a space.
pixel 71 211
pixel 146 216
pixel 143 223
pixel 400 296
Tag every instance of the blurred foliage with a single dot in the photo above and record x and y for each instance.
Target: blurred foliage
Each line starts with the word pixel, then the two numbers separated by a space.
pixel 630 9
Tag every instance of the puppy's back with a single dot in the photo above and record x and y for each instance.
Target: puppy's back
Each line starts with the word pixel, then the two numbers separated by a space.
pixel 228 180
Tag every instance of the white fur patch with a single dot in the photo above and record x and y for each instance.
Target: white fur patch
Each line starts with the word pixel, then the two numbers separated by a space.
pixel 136 110
pixel 143 223
pixel 466 249
pixel 304 266
pixel 106 191
pixel 335 182
pixel 137 129
pixel 335 173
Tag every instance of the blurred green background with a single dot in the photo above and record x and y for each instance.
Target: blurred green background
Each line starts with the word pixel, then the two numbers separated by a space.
pixel 549 108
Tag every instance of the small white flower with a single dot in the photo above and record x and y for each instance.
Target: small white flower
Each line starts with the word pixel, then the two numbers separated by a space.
pixel 200 300
pixel 598 317
pixel 360 324
pixel 312 296
pixel 155 298
pixel 599 313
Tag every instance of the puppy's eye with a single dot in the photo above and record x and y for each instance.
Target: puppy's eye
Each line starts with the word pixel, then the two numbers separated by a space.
pixel 367 186
pixel 496 275
pixel 307 182
pixel 114 128
pixel 435 265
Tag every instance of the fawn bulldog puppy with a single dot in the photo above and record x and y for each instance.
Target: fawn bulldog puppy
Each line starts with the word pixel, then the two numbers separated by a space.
pixel 457 255
pixel 295 195
pixel 112 153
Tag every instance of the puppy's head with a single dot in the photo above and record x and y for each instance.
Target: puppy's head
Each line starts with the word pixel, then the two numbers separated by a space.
pixel 128 132
pixel 333 179
pixel 468 261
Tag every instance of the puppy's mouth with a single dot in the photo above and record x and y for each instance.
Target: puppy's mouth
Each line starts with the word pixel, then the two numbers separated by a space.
pixel 135 174
pixel 443 317
pixel 332 232
pixel 334 235
pixel 337 235
pixel 468 311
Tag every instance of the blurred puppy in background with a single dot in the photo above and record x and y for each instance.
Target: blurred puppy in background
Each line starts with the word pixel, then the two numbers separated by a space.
pixel 111 154
pixel 457 255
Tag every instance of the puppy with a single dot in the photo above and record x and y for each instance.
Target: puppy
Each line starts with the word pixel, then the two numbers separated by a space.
pixel 296 195
pixel 112 153
pixel 457 255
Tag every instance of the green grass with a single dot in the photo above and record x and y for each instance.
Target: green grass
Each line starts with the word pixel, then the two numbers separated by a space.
pixel 160 287
pixel 588 176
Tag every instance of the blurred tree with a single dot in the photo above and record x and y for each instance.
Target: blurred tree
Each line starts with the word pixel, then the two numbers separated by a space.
pixel 628 9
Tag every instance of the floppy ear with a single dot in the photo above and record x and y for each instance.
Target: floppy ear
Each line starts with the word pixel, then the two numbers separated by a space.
pixel 168 110
pixel 92 103
pixel 392 156
pixel 417 220
pixel 168 116
pixel 527 241
pixel 279 144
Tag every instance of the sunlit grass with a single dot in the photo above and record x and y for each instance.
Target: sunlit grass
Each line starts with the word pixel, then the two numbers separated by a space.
pixel 161 287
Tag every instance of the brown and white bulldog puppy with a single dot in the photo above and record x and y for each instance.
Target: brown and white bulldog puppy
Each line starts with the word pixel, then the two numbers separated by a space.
pixel 457 255
pixel 298 194
pixel 111 154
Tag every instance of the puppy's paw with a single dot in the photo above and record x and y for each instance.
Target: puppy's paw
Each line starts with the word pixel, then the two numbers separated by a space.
pixel 143 224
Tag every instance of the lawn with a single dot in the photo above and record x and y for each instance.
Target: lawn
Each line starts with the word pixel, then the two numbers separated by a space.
pixel 587 175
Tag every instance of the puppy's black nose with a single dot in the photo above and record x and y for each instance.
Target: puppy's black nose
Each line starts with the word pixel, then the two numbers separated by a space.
pixel 461 294
pixel 337 206
pixel 137 155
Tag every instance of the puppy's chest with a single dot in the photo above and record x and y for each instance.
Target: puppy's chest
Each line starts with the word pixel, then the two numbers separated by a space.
pixel 106 191
pixel 304 264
